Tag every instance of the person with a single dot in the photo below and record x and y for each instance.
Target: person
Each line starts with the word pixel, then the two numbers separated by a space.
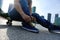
pixel 22 11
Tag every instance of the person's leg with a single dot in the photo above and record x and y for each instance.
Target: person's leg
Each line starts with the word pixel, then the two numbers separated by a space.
pixel 45 23
pixel 26 26
pixel 14 15
pixel 41 21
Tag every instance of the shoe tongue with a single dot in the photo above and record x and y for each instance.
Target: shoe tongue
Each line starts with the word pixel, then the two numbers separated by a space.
pixel 30 23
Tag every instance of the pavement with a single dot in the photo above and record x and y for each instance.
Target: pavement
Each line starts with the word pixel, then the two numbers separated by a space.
pixel 16 33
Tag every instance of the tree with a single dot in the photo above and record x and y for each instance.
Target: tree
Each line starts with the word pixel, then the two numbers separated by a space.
pixel 5 15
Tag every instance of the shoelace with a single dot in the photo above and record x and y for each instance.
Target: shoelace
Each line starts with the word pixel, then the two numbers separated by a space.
pixel 34 22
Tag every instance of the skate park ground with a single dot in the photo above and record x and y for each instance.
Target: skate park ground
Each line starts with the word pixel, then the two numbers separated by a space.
pixel 16 33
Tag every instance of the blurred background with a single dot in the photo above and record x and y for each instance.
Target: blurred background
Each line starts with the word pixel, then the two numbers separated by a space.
pixel 48 9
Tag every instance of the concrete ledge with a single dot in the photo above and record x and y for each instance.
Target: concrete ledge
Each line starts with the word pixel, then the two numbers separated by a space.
pixel 16 33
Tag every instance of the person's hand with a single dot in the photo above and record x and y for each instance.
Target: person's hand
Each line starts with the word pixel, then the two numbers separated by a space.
pixel 26 18
pixel 33 18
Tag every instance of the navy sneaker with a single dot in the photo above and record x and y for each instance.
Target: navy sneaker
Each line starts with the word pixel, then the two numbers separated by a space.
pixel 54 29
pixel 29 27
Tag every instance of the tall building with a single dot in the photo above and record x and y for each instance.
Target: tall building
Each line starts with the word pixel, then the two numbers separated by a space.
pixel 33 9
pixel 57 20
pixel 49 17
pixel 56 17
pixel 0 3
pixel 1 11
pixel 10 7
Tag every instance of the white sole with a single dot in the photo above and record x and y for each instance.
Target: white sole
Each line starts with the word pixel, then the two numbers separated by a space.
pixel 56 31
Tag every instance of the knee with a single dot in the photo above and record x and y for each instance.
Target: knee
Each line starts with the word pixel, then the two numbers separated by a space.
pixel 35 14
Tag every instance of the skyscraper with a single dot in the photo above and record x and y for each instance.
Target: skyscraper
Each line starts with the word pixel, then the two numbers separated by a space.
pixel 34 9
pixel 57 20
pixel 0 3
pixel 10 7
pixel 49 17
pixel 56 16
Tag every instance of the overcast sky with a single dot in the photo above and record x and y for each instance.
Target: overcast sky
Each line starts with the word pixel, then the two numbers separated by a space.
pixel 43 7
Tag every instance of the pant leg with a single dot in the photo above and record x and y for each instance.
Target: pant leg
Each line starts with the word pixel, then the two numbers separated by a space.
pixel 42 21
pixel 14 15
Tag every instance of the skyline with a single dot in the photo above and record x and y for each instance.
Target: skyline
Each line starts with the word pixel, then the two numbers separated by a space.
pixel 43 7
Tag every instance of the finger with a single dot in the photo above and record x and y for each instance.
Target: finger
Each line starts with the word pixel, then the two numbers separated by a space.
pixel 31 18
pixel 28 20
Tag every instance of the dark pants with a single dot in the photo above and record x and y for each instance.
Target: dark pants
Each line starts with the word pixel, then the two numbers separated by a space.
pixel 45 23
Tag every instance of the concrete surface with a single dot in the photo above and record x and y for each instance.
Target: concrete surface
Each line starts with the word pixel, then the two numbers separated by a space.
pixel 16 33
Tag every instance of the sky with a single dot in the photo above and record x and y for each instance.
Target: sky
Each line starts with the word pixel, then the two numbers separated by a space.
pixel 47 6
pixel 43 7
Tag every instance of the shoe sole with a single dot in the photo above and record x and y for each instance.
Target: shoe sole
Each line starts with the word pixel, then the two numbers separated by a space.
pixel 55 31
pixel 34 31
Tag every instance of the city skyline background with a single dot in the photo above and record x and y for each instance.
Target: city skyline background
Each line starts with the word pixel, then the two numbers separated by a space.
pixel 43 7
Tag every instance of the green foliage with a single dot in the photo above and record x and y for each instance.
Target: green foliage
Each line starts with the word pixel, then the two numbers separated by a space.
pixel 5 15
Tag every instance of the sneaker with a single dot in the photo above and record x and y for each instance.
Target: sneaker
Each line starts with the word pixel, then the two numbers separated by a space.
pixel 54 29
pixel 29 27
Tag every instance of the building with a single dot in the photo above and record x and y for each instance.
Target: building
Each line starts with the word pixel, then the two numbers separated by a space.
pixel 56 17
pixel 57 20
pixel 49 17
pixel 0 3
pixel 10 7
pixel 34 9
pixel 1 11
